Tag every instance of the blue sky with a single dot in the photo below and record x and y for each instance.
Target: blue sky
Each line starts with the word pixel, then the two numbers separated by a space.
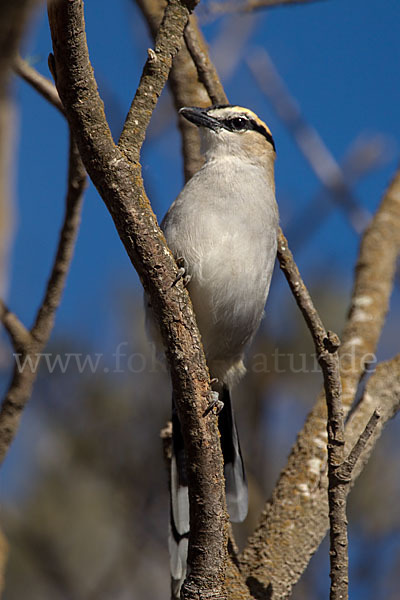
pixel 338 59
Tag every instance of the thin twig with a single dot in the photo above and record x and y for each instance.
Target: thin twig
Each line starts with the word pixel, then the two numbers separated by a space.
pixel 16 330
pixel 326 346
pixel 345 470
pixel 340 479
pixel 206 71
pixel 40 83
pixel 205 68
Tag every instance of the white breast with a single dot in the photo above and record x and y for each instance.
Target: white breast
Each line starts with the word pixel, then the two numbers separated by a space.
pixel 224 224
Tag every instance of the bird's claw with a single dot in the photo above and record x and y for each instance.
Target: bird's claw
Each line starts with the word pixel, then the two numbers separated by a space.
pixel 182 272
pixel 215 404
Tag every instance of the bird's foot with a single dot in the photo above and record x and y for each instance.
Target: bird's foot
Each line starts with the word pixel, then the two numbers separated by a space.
pixel 182 272
pixel 215 404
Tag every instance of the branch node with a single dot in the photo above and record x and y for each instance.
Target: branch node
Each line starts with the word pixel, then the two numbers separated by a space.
pixel 331 342
pixel 152 56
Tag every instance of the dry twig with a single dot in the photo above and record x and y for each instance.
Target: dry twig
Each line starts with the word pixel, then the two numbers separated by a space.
pixel 205 69
pixel 326 347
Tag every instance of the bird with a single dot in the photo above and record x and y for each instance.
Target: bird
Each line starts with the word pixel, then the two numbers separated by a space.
pixel 222 230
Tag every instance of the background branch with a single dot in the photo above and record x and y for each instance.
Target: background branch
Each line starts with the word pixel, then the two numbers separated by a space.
pixel 40 83
pixel 221 8
pixel 315 151
pixel 28 344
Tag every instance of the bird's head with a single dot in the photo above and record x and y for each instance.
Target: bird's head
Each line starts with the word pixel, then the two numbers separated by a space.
pixel 232 130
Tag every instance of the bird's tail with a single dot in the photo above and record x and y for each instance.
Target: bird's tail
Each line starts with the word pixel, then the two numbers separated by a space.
pixel 235 486
pixel 179 519
pixel 235 476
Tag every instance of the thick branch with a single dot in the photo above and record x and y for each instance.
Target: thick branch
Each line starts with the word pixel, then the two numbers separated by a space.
pixel 117 177
pixel 28 345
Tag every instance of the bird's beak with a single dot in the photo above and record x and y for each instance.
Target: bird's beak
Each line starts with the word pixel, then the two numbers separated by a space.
pixel 199 117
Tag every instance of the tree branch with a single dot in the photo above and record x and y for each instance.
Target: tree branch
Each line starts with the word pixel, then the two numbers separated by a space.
pixel 326 346
pixel 221 8
pixel 16 330
pixel 28 344
pixel 155 73
pixel 185 88
pixel 340 477
pixel 116 174
pixel 345 470
pixel 40 83
pixel 308 140
pixel 205 69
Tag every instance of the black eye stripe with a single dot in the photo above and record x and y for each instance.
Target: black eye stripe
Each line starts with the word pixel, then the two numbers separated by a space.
pixel 265 133
pixel 232 124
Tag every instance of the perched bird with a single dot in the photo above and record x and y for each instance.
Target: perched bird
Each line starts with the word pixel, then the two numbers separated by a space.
pixel 222 229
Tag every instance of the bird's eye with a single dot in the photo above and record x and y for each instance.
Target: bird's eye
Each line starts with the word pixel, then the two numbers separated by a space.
pixel 237 123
